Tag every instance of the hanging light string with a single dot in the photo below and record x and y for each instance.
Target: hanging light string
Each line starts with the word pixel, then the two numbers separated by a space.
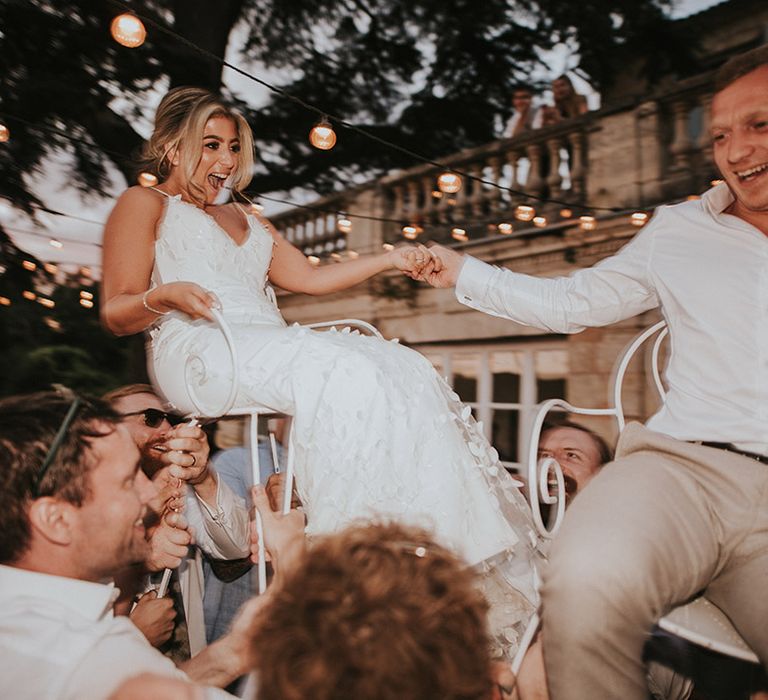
pixel 30 232
pixel 404 221
pixel 324 113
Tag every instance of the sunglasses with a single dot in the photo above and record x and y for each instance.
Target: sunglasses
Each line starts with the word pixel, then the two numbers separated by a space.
pixel 154 417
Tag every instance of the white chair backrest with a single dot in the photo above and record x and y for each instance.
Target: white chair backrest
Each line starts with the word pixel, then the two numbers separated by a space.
pixel 541 472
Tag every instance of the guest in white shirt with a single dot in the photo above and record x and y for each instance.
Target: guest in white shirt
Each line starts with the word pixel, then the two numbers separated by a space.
pixel 72 512
pixel 213 515
pixel 525 116
pixel 683 508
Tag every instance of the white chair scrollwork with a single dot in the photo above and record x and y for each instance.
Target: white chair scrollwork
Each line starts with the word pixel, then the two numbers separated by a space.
pixel 699 621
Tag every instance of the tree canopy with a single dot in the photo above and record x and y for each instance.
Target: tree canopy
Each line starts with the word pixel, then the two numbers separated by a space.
pixel 431 76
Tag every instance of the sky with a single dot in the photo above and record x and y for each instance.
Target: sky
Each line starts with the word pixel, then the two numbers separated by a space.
pixel 80 239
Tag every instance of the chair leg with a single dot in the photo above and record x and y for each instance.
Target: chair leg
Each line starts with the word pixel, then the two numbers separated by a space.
pixel 525 642
pixel 288 485
pixel 256 474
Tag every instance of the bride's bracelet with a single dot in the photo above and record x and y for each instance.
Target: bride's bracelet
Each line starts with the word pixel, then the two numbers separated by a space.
pixel 148 307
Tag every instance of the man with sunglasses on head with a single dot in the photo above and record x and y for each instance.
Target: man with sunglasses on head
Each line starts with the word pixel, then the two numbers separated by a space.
pixel 175 453
pixel 72 513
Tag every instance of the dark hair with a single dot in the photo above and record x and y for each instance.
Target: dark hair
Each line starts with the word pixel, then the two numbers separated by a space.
pixel 28 426
pixel 739 66
pixel 604 450
pixel 522 87
pixel 377 612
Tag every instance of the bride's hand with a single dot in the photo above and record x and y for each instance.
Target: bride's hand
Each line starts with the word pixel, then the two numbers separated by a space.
pixel 414 261
pixel 187 297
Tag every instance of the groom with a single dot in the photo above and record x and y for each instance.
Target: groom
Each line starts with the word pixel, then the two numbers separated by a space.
pixel 684 507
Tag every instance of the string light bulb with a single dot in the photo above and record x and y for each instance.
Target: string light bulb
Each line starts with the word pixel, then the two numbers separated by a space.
pixel 85 295
pixel 524 213
pixel 322 136
pixel 344 224
pixel 51 268
pixel 5 301
pixel 566 213
pixel 86 303
pixel 5 135
pixel 31 296
pixel 128 30
pixel 448 182
pixel 539 221
pixel 313 260
pixel 638 218
pixel 411 232
pixel 459 234
pixel 47 303
pixel 29 265
pixel 147 179
pixel 437 194
pixel 55 244
pixel 587 223
pixel 505 228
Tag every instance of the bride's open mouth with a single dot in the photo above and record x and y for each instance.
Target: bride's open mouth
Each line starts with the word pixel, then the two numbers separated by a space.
pixel 217 180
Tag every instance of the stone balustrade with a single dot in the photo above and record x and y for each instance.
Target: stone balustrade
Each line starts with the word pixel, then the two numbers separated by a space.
pixel 625 156
pixel 317 229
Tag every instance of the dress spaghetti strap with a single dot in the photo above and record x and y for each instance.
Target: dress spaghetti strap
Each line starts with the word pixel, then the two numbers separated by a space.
pixel 160 191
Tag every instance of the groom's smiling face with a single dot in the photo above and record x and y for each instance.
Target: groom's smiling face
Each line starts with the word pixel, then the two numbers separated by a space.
pixel 739 126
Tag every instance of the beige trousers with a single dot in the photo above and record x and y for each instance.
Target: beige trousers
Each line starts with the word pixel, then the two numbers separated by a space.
pixel 663 522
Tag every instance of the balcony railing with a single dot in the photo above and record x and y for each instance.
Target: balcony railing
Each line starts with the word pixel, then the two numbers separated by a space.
pixel 625 156
pixel 547 163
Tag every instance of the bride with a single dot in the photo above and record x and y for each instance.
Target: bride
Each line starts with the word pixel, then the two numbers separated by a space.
pixel 377 433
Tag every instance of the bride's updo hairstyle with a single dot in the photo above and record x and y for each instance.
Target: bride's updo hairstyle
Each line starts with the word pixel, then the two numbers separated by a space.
pixel 179 125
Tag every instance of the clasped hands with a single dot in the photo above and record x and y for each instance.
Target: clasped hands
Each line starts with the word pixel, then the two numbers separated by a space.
pixel 437 265
pixel 184 458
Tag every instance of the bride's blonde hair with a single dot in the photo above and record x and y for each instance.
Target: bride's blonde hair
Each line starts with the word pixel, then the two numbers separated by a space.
pixel 179 125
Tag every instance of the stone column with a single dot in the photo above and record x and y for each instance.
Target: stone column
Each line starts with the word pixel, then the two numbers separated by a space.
pixel 554 180
pixel 535 183
pixel 680 147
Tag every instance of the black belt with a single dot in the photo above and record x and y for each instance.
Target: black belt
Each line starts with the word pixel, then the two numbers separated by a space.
pixel 729 447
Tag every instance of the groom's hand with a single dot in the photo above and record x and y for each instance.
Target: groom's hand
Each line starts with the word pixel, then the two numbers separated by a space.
pixel 446 267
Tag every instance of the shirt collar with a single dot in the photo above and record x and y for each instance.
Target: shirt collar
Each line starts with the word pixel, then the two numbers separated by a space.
pixel 91 600
pixel 717 199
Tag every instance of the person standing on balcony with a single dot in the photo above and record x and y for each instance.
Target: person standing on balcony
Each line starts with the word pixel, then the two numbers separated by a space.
pixel 684 507
pixel 376 432
pixel 525 117
pixel 568 102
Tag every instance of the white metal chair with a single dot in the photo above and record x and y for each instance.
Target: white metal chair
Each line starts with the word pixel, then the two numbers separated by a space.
pixel 201 408
pixel 699 621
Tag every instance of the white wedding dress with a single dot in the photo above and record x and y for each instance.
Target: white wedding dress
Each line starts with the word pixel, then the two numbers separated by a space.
pixel 377 433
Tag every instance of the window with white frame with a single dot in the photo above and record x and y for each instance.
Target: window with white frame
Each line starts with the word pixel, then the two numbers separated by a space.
pixel 502 384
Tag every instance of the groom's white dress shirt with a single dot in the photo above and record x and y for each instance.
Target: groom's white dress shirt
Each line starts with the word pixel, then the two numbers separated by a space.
pixel 708 272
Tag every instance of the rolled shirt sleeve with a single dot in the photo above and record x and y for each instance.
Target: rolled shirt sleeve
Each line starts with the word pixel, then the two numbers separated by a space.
pixel 616 288
pixel 221 532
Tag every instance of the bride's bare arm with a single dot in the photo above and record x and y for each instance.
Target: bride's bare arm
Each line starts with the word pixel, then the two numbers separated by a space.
pixel 127 260
pixel 292 271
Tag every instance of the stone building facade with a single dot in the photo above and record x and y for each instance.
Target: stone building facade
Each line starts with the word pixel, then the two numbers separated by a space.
pixel 641 149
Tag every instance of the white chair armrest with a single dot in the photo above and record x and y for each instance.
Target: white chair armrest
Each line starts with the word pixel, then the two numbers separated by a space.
pixel 348 323
pixel 539 471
